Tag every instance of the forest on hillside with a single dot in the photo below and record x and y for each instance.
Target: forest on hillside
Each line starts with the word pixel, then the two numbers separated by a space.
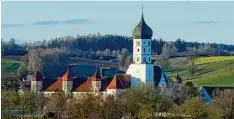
pixel 54 54
pixel 97 42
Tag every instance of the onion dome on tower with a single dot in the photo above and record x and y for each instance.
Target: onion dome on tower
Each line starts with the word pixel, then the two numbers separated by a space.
pixel 142 30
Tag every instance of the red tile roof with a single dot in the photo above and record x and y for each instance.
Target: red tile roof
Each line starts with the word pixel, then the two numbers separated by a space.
pixel 120 81
pixel 85 87
pixel 54 86
pixel 67 76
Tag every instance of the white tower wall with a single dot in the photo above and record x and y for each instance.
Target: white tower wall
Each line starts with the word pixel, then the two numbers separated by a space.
pixel 36 86
pixel 142 50
pixel 67 87
pixel 141 74
pixel 141 70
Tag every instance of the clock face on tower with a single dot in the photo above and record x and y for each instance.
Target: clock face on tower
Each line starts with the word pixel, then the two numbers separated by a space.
pixel 138 43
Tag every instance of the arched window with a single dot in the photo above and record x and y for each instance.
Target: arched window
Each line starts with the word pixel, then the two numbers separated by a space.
pixel 138 50
pixel 144 49
pixel 149 43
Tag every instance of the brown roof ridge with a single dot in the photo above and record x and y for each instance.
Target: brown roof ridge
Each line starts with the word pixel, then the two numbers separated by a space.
pixel 112 83
pixel 117 82
pixel 67 76
pixel 85 86
pixel 57 85
pixel 121 83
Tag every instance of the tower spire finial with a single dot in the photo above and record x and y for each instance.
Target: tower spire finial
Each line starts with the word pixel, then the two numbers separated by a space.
pixel 142 9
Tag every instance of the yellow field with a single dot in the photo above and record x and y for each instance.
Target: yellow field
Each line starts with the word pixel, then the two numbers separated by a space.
pixel 213 59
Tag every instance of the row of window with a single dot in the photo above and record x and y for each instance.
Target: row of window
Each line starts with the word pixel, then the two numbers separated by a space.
pixel 144 59
pixel 138 43
pixel 138 50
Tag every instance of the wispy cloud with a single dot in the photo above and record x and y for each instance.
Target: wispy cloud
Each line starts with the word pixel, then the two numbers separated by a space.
pixel 11 25
pixel 55 22
pixel 206 22
pixel 51 22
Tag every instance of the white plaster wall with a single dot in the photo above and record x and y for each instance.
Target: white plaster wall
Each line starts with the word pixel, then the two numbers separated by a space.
pixel 115 91
pixel 79 94
pixel 141 73
pixel 111 91
pixel 141 54
pixel 67 86
pixel 36 86
pixel 48 94
pixel 150 74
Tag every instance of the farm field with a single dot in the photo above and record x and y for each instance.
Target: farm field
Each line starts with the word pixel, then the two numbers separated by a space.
pixel 9 65
pixel 213 59
pixel 211 71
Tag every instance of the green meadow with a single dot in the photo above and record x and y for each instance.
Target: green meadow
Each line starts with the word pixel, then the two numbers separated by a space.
pixel 211 71
pixel 9 65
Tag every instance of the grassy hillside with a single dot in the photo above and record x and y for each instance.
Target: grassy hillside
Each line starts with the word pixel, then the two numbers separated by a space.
pixel 213 59
pixel 9 65
pixel 211 71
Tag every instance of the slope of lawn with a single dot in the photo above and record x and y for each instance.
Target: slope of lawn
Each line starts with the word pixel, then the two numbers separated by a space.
pixel 213 59
pixel 9 65
pixel 211 71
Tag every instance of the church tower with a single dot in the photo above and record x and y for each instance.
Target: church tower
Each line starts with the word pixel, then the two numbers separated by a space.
pixel 36 83
pixel 67 82
pixel 142 69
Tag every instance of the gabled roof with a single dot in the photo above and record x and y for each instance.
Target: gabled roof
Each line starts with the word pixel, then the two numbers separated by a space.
pixel 97 76
pixel 67 76
pixel 210 89
pixel 37 76
pixel 105 83
pixel 81 70
pixel 157 75
pixel 160 77
pixel 86 86
pixel 78 81
pixel 50 85
pixel 120 81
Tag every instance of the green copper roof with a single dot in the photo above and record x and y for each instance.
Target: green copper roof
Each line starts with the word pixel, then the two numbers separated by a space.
pixel 142 30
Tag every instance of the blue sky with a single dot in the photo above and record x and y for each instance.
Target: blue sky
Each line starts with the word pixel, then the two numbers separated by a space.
pixel 190 21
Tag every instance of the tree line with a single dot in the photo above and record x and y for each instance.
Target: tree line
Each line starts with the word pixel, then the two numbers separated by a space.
pixel 98 42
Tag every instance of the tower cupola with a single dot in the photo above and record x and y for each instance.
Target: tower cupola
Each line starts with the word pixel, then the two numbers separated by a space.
pixel 142 30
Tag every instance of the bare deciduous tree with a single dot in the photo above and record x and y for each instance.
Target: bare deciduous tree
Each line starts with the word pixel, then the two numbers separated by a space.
pixel 225 100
